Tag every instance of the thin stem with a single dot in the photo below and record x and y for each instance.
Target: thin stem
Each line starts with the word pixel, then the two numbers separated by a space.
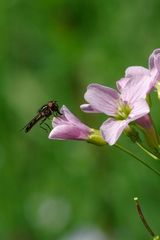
pixel 143 218
pixel 147 151
pixel 137 158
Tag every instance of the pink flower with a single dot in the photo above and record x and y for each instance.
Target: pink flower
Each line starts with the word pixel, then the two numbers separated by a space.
pixel 67 126
pixel 137 73
pixel 123 107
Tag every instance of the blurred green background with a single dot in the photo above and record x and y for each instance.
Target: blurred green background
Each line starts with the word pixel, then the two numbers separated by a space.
pixel 71 190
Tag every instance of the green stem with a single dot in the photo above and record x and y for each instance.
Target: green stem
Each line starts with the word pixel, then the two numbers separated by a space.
pixel 137 158
pixel 147 151
pixel 144 221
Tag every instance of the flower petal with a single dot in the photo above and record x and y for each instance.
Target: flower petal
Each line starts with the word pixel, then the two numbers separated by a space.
pixel 122 83
pixel 154 59
pixel 136 71
pixel 154 65
pixel 145 121
pixel 102 99
pixel 133 73
pixel 112 129
pixel 136 89
pixel 64 132
pixel 68 126
pixel 140 108
pixel 88 108
pixel 68 118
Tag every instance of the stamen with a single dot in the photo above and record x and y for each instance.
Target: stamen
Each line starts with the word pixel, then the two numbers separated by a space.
pixel 123 110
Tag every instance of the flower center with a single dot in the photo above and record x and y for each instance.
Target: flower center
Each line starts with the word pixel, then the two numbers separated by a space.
pixel 123 110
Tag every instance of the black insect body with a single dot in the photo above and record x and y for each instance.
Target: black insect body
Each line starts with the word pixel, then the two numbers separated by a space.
pixel 51 108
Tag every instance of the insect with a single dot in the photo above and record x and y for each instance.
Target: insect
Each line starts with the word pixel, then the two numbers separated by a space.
pixel 43 114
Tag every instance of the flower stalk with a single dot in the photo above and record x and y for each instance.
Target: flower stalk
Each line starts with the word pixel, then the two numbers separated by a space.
pixel 137 158
pixel 147 151
pixel 144 221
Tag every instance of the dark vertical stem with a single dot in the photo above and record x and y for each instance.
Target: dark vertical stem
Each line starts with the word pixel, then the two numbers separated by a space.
pixel 143 218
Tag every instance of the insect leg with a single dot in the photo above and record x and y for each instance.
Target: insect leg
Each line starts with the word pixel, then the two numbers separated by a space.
pixel 48 126
pixel 56 114
pixel 42 123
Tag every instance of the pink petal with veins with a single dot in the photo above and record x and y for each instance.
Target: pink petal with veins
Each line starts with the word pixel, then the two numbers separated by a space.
pixel 112 129
pixel 102 99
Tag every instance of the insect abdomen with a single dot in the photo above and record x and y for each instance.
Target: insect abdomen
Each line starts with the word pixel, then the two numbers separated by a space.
pixel 32 123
